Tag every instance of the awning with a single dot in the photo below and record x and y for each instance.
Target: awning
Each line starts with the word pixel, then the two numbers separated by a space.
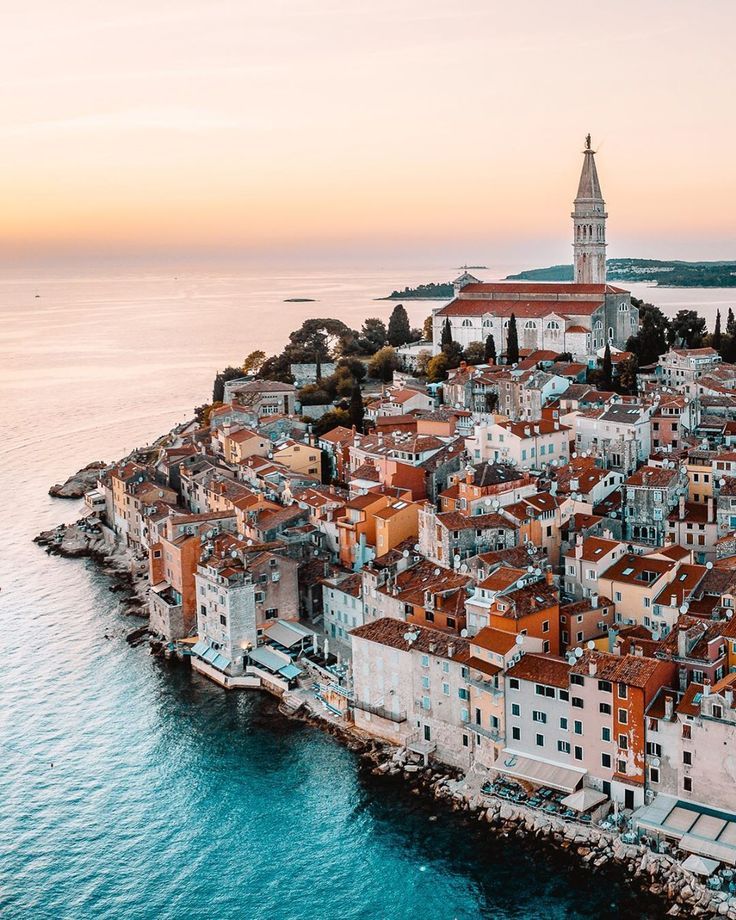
pixel 539 772
pixel 287 634
pixel 290 671
pixel 700 865
pixel 268 659
pixel 720 851
pixel 205 651
pixel 200 648
pixel 584 799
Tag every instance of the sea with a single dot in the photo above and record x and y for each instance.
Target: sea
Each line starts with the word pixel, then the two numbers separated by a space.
pixel 131 787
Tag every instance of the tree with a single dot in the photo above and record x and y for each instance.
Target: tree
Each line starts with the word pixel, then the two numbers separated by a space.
pixel 490 350
pixel 372 336
pixel 318 370
pixel 399 330
pixel 383 364
pixel 454 354
pixel 687 327
pixel 423 359
pixel 218 390
pixel 313 394
pixel 253 362
pixel 607 376
pixel 731 323
pixel 427 328
pixel 512 342
pixel 717 332
pixel 446 337
pixel 330 420
pixel 357 410
pixel 475 353
pixel 437 368
pixel 356 367
pixel 651 340
pixel 627 380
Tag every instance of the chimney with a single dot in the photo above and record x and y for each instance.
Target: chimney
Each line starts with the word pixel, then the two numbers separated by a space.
pixel 710 510
pixel 728 696
pixel 592 667
pixel 579 550
pixel 549 576
pixel 682 642
pixel 557 425
pixel 594 601
pixel 450 650
pixel 706 686
pixel 682 508
pixel 669 707
pixel 527 431
pixel 673 600
pixel 432 648
pixel 226 429
pixel 574 485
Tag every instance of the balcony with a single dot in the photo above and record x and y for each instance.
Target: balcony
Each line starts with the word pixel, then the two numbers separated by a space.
pixel 494 734
pixel 379 711
pixel 486 686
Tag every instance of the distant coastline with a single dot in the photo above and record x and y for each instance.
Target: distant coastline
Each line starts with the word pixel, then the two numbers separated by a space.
pixel 649 271
pixel 430 291
pixel 299 300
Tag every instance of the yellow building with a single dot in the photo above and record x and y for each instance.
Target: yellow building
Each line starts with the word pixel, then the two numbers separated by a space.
pixel 397 522
pixel 700 475
pixel 299 458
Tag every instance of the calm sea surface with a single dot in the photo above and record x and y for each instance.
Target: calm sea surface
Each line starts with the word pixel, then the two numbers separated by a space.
pixel 131 788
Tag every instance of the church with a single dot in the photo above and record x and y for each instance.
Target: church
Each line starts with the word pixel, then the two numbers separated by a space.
pixel 578 317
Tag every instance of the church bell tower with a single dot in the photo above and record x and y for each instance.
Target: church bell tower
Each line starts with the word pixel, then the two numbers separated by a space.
pixel 589 223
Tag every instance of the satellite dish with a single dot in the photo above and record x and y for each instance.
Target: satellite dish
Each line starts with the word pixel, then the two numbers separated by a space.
pixel 464 633
pixel 709 565
pixel 463 568
pixel 574 455
pixel 496 504
pixel 571 659
pixel 487 503
pixel 537 571
pixel 234 554
pixel 530 569
pixel 249 543
pixel 405 554
pixel 722 483
pixel 520 639
pixel 416 547
pixel 436 571
pixel 578 652
pixel 591 645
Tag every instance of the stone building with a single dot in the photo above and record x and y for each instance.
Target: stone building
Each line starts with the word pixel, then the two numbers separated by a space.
pixel 578 318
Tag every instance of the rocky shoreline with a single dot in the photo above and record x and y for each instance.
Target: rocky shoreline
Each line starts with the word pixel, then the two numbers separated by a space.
pixel 666 888
pixel 80 482
pixel 85 539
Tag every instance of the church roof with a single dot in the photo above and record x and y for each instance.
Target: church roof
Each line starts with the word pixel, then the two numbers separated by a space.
pixel 551 288
pixel 589 187
pixel 520 308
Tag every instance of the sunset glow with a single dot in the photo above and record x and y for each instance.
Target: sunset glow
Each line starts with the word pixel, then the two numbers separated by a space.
pixel 381 126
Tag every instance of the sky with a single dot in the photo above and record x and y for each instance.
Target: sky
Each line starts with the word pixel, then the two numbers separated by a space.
pixel 392 129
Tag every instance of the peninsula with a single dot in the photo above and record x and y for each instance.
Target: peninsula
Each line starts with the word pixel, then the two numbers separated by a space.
pixel 501 562
pixel 653 271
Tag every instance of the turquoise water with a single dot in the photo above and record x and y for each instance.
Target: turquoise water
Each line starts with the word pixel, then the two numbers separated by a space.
pixel 130 788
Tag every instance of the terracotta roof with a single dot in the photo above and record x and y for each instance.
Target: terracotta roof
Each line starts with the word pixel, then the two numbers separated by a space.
pixel 494 640
pixel 633 670
pixel 532 598
pixel 630 568
pixel 653 476
pixel 485 666
pixel 454 520
pixel 391 632
pixel 540 287
pixel 534 309
pixel 541 669
pixel 594 548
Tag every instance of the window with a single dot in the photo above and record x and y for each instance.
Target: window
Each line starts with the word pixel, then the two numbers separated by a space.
pixel 577 679
pixel 623 716
pixel 578 727
pixel 545 626
pixel 578 752
pixel 446 689
pixel 223 620
pixel 623 691
pixel 515 709
pixel 687 758
pixel 604 709
pixel 539 716
pixel 686 731
pixel 687 784
pixel 563 723
pixel 604 686
pixel 621 766
pixel 426 703
pixel 717 712
pixel 577 702
pixel 655 750
pixel 425 661
pixel 563 747
pixel 606 760
pixel 516 733
pixel 540 740
pixel 653 775
pixel 563 695
pixel 425 683
pixel 623 742
pixel 463 693
pixel 513 683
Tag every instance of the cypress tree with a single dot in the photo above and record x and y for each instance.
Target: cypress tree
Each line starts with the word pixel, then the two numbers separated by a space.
pixel 490 351
pixel 717 332
pixel 731 323
pixel 446 338
pixel 512 342
pixel 399 330
pixel 607 367
pixel 318 371
pixel 357 411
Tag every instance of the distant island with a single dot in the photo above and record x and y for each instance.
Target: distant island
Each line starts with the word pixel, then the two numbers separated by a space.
pixel 431 291
pixel 300 300
pixel 467 268
pixel 653 271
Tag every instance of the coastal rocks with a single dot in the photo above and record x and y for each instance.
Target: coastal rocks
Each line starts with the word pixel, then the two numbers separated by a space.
pixel 80 482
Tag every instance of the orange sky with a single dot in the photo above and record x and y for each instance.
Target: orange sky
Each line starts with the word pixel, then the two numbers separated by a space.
pixel 386 126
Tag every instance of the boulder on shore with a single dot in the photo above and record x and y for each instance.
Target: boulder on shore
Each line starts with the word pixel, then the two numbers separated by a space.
pixel 79 483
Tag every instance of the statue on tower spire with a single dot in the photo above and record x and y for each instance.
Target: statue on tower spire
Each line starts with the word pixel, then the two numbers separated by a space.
pixel 587 141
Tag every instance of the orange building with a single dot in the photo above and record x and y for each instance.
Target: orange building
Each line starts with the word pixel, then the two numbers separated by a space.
pixel 532 611
pixel 361 525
